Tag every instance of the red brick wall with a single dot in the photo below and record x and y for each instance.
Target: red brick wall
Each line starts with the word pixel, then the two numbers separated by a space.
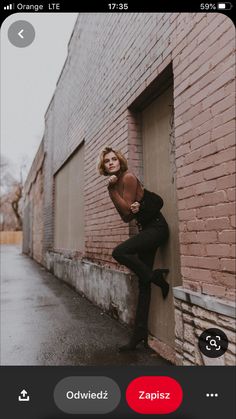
pixel 37 199
pixel 48 207
pixel 204 71
pixel 113 59
pixel 33 220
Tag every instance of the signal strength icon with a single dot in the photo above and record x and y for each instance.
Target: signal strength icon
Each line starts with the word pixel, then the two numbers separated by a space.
pixel 9 7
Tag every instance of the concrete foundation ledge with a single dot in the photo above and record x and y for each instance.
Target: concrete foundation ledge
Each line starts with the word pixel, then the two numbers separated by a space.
pixel 113 291
pixel 208 302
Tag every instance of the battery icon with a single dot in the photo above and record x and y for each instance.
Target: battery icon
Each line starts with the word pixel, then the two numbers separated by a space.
pixel 224 6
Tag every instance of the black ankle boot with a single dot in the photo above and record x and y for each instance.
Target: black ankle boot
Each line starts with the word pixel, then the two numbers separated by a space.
pixel 140 335
pixel 158 278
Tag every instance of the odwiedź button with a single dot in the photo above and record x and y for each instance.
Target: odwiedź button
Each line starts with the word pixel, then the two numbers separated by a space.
pixel 154 395
pixel 89 394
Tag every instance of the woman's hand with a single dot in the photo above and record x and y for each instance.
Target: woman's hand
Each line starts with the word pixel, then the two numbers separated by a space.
pixel 112 180
pixel 135 207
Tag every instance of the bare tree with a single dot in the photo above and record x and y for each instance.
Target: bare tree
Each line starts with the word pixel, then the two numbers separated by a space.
pixel 11 194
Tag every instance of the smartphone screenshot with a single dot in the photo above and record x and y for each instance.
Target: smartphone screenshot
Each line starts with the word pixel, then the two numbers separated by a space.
pixel 117 210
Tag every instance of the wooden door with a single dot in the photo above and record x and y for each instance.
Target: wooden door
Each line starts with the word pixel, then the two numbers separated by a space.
pixel 159 176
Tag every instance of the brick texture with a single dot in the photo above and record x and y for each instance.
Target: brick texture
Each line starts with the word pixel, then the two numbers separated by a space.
pixel 112 60
pixel 190 322
pixel 33 220
pixel 205 109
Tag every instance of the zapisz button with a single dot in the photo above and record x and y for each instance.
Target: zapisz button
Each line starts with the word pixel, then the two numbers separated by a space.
pixel 154 395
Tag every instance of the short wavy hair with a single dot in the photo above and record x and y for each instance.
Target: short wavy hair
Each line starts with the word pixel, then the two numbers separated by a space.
pixel 119 155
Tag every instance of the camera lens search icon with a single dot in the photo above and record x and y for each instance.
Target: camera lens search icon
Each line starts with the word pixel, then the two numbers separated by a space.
pixel 213 343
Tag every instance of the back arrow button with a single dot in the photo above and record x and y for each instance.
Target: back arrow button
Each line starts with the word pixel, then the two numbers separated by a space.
pixel 20 33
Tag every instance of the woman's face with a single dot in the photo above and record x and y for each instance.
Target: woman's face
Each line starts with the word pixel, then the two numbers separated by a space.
pixel 111 163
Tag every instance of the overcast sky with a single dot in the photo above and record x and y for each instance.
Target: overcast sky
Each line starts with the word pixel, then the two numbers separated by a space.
pixel 28 80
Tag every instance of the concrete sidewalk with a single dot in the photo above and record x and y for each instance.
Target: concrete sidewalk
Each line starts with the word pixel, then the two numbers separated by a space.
pixel 45 322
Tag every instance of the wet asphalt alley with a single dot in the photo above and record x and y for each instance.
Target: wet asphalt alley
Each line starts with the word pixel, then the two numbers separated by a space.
pixel 45 322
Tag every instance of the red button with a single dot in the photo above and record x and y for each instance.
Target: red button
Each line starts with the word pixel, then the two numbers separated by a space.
pixel 154 394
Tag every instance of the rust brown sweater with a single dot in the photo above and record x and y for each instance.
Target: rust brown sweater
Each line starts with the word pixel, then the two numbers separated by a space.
pixel 125 192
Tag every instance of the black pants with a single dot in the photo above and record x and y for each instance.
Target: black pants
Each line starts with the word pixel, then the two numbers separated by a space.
pixel 138 254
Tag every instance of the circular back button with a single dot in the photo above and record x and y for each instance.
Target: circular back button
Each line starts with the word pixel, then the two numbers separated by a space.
pixel 21 33
pixel 154 395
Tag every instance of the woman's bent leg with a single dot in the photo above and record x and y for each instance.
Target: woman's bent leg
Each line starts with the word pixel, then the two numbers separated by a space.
pixel 128 253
